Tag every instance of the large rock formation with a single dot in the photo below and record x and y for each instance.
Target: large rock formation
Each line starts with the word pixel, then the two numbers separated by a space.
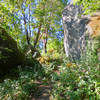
pixel 93 28
pixel 93 25
pixel 10 55
pixel 74 31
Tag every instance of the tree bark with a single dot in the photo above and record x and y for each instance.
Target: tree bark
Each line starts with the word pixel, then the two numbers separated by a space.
pixel 26 31
pixel 45 40
pixel 37 37
pixel 29 21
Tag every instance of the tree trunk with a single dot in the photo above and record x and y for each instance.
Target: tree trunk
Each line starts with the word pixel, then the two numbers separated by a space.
pixel 45 45
pixel 45 40
pixel 37 37
pixel 26 31
pixel 29 21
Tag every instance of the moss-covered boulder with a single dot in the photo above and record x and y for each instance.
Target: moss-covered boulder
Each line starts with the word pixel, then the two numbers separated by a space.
pixel 10 55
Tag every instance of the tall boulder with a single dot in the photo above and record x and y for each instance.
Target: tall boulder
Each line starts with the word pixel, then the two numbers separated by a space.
pixel 74 31
pixel 10 55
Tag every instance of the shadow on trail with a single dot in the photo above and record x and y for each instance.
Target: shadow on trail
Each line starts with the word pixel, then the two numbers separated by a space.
pixel 42 92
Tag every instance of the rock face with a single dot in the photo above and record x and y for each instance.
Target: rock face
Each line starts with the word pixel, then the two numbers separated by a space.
pixel 93 28
pixel 10 55
pixel 93 25
pixel 74 31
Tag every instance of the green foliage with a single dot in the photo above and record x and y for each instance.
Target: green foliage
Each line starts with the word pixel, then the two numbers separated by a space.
pixel 55 48
pixel 77 84
pixel 71 81
pixel 88 5
pixel 78 81
pixel 54 44
pixel 14 13
pixel 18 89
pixel 21 87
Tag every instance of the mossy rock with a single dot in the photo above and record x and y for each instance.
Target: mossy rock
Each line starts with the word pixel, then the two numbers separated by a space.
pixel 10 55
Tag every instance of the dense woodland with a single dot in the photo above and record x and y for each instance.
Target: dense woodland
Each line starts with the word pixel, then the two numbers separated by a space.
pixel 33 63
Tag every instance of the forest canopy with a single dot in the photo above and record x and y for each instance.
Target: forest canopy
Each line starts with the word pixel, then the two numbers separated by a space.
pixel 32 22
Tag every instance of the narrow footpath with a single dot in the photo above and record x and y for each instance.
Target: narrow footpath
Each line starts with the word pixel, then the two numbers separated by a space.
pixel 42 92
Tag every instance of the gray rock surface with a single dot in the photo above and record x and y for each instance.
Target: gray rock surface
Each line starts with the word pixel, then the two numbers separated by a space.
pixel 74 31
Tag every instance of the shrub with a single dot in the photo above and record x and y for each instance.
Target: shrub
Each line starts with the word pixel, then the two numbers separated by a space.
pixel 78 81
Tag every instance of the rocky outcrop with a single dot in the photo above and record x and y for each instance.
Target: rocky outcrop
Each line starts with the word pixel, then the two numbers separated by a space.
pixel 93 28
pixel 74 31
pixel 10 55
pixel 93 25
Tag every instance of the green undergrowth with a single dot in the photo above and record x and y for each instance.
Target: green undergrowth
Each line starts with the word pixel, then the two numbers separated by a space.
pixel 20 86
pixel 70 80
pixel 78 80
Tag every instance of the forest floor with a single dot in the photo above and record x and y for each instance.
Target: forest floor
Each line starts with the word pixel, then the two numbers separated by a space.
pixel 42 92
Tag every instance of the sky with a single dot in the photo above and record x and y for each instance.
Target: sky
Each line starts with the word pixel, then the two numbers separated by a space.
pixel 69 0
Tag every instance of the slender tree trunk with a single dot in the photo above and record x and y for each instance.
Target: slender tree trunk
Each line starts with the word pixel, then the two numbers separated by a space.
pixel 27 35
pixel 37 37
pixel 29 21
pixel 45 45
pixel 45 40
pixel 26 31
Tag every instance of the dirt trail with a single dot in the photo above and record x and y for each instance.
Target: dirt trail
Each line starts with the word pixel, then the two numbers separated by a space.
pixel 42 92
